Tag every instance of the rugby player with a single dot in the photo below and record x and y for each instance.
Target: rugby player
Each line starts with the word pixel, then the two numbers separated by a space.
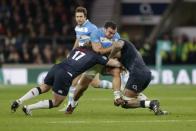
pixel 60 77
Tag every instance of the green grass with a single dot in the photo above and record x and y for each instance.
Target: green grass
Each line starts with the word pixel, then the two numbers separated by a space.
pixel 97 113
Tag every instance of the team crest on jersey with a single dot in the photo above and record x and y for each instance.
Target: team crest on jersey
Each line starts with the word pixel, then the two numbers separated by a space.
pixel 84 37
pixel 105 40
pixel 134 87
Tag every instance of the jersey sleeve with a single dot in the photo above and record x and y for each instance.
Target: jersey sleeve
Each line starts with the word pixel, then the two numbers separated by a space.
pixel 117 37
pixel 103 60
pixel 93 28
pixel 94 37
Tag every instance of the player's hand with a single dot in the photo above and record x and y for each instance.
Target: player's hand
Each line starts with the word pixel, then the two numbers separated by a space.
pixel 119 101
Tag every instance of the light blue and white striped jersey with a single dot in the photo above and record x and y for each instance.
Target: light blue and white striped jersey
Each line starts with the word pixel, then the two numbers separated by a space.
pixel 98 36
pixel 84 31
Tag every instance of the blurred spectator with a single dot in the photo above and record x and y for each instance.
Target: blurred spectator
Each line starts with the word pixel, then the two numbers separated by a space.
pixel 42 31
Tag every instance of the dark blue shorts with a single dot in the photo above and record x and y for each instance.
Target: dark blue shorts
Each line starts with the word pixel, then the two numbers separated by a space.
pixel 58 78
pixel 138 80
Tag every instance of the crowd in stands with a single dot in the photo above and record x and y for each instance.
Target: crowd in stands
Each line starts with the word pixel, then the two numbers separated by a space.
pixel 36 31
pixel 42 32
pixel 182 50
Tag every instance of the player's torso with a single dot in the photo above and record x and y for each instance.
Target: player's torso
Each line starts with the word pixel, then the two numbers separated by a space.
pixel 105 42
pixel 80 60
pixel 83 32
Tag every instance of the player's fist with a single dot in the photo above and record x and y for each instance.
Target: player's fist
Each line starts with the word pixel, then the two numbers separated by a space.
pixel 119 101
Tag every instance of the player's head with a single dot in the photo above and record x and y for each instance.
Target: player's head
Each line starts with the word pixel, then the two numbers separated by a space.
pixel 110 29
pixel 80 15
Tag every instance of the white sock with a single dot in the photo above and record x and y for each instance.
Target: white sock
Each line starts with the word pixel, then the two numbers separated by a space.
pixel 74 103
pixel 71 93
pixel 105 84
pixel 141 97
pixel 39 105
pixel 147 103
pixel 30 94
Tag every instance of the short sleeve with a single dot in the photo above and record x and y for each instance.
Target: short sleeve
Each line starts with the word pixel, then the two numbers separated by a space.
pixel 95 36
pixel 103 60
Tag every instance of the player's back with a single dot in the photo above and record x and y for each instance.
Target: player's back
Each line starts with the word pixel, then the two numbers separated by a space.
pixel 131 58
pixel 81 59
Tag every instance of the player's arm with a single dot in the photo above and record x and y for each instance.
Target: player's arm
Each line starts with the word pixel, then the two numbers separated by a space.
pixel 96 45
pixel 117 46
pixel 113 63
pixel 105 61
pixel 99 49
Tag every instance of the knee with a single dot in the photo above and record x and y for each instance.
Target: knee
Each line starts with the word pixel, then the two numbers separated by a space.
pixel 44 88
pixel 56 103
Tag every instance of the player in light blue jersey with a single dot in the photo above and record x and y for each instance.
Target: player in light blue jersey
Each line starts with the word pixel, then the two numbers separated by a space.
pixel 83 28
pixel 100 36
pixel 102 42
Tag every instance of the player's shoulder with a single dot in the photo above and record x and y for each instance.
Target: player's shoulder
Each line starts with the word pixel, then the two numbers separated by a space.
pixel 90 25
pixel 117 35
pixel 97 32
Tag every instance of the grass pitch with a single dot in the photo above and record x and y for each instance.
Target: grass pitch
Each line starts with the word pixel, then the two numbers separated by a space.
pixel 97 113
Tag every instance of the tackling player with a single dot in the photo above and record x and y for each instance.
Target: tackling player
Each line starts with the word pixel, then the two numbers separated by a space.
pixel 102 42
pixel 83 30
pixel 60 77
pixel 139 77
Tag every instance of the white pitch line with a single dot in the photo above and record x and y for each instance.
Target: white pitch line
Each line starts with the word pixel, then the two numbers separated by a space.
pixel 108 121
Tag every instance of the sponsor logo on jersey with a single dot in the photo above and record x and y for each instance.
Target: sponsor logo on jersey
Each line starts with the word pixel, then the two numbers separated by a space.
pixel 81 29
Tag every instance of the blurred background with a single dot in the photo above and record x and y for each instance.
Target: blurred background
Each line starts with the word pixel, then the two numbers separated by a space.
pixel 34 34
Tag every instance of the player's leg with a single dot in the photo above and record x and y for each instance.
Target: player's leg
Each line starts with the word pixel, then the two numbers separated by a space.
pixel 81 87
pixel 133 102
pixel 97 83
pixel 71 92
pixel 133 88
pixel 44 104
pixel 62 82
pixel 116 85
pixel 37 90
pixel 83 84
pixel 29 95
pixel 124 78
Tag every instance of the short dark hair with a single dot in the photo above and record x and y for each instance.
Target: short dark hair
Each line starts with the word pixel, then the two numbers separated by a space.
pixel 82 10
pixel 110 24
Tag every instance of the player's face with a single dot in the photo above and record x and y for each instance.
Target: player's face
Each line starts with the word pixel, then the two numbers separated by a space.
pixel 109 32
pixel 80 18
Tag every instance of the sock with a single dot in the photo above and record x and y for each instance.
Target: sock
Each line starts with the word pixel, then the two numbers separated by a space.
pixel 30 94
pixel 144 104
pixel 74 103
pixel 45 104
pixel 71 93
pixel 105 84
